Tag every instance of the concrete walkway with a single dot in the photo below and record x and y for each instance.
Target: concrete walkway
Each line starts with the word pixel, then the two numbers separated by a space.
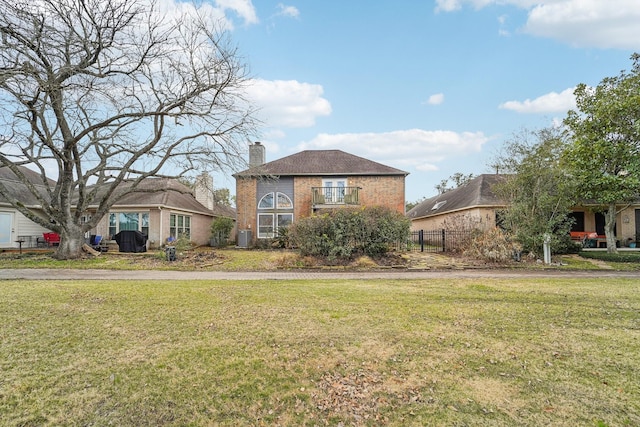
pixel 65 274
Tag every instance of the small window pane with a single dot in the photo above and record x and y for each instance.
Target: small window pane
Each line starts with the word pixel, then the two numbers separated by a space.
pixel 284 220
pixel 284 202
pixel 266 202
pixel 265 226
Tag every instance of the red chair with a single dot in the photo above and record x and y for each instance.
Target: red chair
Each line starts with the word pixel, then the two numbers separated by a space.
pixel 51 239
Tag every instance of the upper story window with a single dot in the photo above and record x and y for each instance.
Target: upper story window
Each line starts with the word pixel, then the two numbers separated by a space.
pixel 268 201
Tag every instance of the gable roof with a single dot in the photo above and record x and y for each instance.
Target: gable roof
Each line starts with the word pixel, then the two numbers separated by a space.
pixel 18 190
pixel 476 193
pixel 322 162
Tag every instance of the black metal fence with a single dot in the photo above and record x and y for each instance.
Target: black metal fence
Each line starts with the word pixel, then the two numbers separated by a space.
pixel 439 240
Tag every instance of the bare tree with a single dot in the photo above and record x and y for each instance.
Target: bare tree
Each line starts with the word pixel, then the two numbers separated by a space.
pixel 109 92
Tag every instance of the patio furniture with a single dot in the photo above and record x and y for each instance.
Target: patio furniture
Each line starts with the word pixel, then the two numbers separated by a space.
pixel 51 239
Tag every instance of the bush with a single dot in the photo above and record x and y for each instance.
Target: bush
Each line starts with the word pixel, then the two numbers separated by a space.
pixel 343 233
pixel 493 246
pixel 221 229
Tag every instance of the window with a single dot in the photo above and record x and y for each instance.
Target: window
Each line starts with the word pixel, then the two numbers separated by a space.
pixel 276 211
pixel 334 190
pixel 438 205
pixel 266 202
pixel 266 227
pixel 268 224
pixel 284 202
pixel 119 221
pixel 179 226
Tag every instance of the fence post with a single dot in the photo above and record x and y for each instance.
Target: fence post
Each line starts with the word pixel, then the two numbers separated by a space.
pixel 444 249
pixel 421 240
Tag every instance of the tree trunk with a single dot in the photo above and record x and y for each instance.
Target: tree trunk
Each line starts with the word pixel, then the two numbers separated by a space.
pixel 610 228
pixel 71 241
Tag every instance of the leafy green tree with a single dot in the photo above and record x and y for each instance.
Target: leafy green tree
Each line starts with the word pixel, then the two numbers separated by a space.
pixel 604 156
pixel 537 190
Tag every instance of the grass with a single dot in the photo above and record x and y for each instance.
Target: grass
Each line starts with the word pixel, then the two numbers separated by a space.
pixel 216 259
pixel 427 352
pixel 229 259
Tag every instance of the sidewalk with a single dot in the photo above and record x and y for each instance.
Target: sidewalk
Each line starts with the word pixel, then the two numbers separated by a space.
pixel 141 275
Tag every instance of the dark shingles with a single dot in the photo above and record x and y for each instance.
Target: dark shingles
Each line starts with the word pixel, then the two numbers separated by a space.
pixel 476 193
pixel 322 162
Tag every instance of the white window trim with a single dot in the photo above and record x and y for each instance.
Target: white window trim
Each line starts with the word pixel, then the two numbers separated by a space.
pixel 274 221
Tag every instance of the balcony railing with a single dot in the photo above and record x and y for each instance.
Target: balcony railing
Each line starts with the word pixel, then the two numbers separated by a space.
pixel 335 195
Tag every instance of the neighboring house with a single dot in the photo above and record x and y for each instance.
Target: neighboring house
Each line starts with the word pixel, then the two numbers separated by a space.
pixel 472 204
pixel 14 226
pixel 588 220
pixel 275 194
pixel 475 204
pixel 161 208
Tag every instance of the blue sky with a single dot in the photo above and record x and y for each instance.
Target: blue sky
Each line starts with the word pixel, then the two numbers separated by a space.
pixel 430 87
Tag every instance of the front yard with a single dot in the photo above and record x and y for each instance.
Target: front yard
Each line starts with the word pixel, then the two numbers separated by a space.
pixel 334 352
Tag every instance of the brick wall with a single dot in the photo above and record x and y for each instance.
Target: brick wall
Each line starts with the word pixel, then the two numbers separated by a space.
pixel 375 191
pixel 380 191
pixel 246 204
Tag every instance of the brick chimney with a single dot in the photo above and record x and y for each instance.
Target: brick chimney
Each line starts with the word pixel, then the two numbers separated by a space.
pixel 257 154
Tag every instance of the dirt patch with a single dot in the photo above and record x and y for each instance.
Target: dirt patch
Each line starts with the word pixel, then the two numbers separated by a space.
pixel 359 395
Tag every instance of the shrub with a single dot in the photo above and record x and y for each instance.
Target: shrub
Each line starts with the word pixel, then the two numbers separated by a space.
pixel 221 229
pixel 343 233
pixel 493 246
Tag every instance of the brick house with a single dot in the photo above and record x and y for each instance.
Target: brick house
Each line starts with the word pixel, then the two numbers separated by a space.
pixel 475 204
pixel 161 208
pixel 272 195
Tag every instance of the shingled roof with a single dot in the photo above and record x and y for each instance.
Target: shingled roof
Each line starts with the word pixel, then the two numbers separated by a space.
pixel 168 193
pixel 18 190
pixel 476 193
pixel 322 162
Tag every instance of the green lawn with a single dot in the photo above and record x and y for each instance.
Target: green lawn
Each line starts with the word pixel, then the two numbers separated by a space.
pixel 429 352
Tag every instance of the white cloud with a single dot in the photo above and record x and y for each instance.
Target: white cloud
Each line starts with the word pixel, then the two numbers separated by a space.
pixel 243 8
pixel 288 103
pixel 290 11
pixel 216 14
pixel 404 149
pixel 552 102
pixel 582 23
pixel 588 23
pixel 436 99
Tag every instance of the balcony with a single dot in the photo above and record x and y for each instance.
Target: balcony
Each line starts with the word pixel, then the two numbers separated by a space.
pixel 333 196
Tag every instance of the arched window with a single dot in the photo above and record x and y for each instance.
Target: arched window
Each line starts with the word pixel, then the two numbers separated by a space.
pixel 277 212
pixel 284 202
pixel 266 202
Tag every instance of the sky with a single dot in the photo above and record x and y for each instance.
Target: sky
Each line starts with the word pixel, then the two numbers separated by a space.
pixel 431 87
